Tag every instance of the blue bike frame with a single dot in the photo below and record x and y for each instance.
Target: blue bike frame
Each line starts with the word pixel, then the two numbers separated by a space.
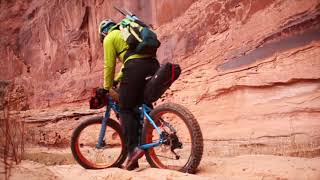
pixel 144 112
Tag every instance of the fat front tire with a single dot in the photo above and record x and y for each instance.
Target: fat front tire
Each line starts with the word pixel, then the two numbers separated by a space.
pixel 85 137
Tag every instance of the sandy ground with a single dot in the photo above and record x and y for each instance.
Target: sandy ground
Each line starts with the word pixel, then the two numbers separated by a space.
pixel 255 167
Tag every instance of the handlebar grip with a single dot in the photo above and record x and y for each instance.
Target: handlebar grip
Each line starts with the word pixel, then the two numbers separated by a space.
pixel 114 93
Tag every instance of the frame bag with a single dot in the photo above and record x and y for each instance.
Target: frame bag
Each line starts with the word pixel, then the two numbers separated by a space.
pixel 161 81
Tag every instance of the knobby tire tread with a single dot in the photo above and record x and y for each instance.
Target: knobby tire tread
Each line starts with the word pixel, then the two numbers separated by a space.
pixel 196 135
pixel 94 120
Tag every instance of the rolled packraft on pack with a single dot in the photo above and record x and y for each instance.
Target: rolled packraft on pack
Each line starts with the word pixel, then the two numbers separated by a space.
pixel 161 81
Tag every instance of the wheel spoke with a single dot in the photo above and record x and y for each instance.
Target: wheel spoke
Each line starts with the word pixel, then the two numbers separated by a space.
pixel 174 126
pixel 183 143
pixel 84 140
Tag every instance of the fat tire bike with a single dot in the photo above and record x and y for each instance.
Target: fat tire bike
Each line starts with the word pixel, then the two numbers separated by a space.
pixel 170 136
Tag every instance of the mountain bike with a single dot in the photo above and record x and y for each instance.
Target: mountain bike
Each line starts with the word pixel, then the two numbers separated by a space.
pixel 170 136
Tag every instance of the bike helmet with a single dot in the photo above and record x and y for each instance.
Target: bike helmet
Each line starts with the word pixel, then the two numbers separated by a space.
pixel 104 27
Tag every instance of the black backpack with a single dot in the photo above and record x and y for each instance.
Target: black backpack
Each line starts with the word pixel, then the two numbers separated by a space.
pixel 140 38
pixel 161 81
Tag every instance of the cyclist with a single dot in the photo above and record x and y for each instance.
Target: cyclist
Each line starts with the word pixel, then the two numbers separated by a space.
pixel 132 78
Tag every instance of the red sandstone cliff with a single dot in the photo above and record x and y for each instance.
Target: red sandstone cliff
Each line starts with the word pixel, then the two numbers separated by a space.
pixel 251 68
pixel 50 49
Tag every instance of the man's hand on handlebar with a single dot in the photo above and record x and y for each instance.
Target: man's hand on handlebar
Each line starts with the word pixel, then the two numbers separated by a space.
pixel 99 99
pixel 115 84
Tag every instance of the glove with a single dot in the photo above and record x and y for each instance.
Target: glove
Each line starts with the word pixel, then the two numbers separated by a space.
pixel 100 98
pixel 101 92
pixel 115 84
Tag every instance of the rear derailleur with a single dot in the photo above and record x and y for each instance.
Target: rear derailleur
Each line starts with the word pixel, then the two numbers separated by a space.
pixel 172 140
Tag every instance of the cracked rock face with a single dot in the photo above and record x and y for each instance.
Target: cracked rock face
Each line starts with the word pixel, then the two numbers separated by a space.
pixel 251 69
pixel 251 75
pixel 52 50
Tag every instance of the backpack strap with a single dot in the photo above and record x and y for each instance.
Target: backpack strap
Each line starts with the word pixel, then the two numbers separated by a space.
pixel 118 54
pixel 128 54
pixel 133 32
pixel 117 26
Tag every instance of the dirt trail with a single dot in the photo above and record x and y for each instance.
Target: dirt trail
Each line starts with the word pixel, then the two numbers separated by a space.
pixel 255 167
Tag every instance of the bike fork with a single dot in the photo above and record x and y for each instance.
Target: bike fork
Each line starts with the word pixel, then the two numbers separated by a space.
pixel 103 129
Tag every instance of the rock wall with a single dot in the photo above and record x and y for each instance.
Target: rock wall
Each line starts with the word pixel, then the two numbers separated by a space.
pixel 251 71
pixel 51 48
pixel 250 68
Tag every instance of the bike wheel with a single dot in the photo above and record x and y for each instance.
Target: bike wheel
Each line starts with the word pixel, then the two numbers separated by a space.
pixel 85 138
pixel 181 127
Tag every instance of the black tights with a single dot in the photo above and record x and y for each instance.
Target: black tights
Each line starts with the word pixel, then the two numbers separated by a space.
pixel 131 96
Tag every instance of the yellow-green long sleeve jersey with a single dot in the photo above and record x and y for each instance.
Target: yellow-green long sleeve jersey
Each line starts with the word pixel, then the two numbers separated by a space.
pixel 114 46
